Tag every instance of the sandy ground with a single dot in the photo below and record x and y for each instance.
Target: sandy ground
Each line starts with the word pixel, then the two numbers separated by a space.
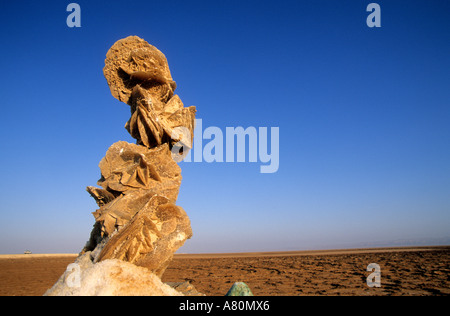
pixel 404 271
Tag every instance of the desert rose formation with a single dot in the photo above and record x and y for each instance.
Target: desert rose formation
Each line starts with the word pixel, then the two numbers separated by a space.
pixel 137 227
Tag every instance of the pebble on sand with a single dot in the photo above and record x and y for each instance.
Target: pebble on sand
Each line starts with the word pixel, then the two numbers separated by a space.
pixel 239 289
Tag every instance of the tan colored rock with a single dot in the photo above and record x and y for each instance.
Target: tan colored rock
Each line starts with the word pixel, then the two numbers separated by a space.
pixel 113 216
pixel 138 220
pixel 151 237
pixel 138 74
pixel 138 223
pixel 153 123
pixel 109 278
pixel 186 288
pixel 101 196
pixel 128 167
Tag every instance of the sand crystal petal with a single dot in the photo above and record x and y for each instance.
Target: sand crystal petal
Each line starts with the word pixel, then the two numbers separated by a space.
pixel 138 227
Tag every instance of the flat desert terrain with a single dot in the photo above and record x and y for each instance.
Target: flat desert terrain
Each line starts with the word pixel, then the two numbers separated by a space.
pixel 412 271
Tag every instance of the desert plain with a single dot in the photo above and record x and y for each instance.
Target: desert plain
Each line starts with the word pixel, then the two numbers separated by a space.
pixel 410 271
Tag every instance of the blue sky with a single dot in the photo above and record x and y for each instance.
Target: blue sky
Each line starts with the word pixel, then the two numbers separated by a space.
pixel 363 115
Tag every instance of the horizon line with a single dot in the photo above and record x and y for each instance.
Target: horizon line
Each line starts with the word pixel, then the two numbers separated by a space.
pixel 258 253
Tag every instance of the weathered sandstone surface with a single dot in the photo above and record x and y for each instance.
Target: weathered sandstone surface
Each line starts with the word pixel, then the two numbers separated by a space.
pixel 138 226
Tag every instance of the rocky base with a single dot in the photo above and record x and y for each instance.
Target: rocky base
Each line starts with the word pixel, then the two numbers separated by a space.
pixel 114 277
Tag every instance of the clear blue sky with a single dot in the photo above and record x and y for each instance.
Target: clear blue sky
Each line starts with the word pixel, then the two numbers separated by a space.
pixel 363 114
